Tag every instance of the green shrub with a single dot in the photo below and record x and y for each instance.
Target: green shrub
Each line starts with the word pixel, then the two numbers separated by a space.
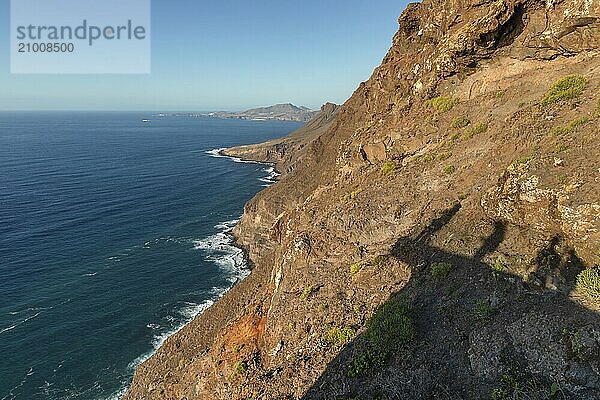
pixel 306 293
pixel 440 270
pixel 563 179
pixel 483 310
pixel 341 336
pixel 388 167
pixel 478 129
pixel 355 268
pixel 444 156
pixel 500 264
pixel 570 128
pixel 449 169
pixel 442 103
pixel 351 196
pixel 561 147
pixel 568 88
pixel 588 283
pixel 240 367
pixel 499 394
pixel 460 122
pixel 362 363
pixel 390 328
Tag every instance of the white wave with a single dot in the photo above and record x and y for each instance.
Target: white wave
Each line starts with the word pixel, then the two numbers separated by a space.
pixel 189 312
pixel 216 153
pixel 91 274
pixel 271 177
pixel 10 328
pixel 220 250
pixel 227 225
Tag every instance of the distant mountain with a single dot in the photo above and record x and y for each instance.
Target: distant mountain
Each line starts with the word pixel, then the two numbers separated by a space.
pixel 281 112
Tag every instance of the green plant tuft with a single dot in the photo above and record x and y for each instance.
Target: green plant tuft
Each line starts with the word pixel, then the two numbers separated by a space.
pixel 571 127
pixel 444 156
pixel 563 179
pixel 442 103
pixel 522 160
pixel 449 169
pixel 388 167
pixel 588 283
pixel 240 367
pixel 460 122
pixel 483 310
pixel 561 148
pixel 390 328
pixel 352 195
pixel 440 270
pixel 355 268
pixel 568 88
pixel 500 264
pixel 478 129
pixel 306 293
pixel 341 336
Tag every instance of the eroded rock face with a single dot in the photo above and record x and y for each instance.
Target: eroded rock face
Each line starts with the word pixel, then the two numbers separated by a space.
pixel 479 214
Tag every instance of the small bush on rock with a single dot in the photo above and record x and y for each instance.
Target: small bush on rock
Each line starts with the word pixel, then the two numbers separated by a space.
pixel 588 283
pixel 442 103
pixel 568 88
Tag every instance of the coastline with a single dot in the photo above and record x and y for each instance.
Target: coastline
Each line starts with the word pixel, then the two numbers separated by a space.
pixel 221 153
pixel 245 266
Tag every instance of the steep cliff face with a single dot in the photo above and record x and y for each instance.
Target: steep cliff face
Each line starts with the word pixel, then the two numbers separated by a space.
pixel 426 238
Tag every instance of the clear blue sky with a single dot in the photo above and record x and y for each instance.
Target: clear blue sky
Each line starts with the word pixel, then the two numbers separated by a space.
pixel 226 55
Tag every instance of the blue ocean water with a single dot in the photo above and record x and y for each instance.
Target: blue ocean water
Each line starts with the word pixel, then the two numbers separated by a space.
pixel 113 234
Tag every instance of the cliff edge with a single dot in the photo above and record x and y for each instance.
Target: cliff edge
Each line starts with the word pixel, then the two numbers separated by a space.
pixel 437 236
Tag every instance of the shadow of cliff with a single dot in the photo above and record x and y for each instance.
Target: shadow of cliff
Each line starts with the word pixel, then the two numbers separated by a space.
pixel 479 332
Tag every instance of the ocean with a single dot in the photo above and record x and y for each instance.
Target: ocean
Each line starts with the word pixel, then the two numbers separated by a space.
pixel 113 235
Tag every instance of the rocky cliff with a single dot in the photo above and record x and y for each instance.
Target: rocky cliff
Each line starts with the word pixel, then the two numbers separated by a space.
pixel 435 237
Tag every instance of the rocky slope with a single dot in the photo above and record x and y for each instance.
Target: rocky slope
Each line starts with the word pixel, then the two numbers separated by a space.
pixel 426 241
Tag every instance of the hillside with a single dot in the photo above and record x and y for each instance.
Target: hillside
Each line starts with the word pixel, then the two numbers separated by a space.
pixel 435 238
pixel 282 112
pixel 285 151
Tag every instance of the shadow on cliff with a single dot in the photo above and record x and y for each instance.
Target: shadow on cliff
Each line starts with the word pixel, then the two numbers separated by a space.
pixel 464 329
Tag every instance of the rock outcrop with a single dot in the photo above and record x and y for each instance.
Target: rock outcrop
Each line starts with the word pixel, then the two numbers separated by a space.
pixel 425 238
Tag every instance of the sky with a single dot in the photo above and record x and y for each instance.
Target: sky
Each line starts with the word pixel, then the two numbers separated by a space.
pixel 225 55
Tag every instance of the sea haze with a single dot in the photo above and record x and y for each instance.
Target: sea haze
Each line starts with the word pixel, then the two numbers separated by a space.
pixel 113 235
